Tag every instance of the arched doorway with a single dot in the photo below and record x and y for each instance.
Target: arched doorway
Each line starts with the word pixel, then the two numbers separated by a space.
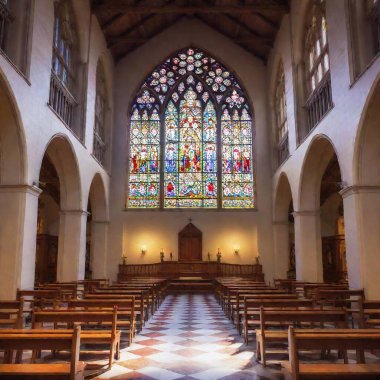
pixel 284 230
pixel 316 176
pixel 62 206
pixel 332 225
pixel 47 224
pixel 97 229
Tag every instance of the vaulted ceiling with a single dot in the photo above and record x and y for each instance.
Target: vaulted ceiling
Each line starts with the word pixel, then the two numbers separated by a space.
pixel 128 24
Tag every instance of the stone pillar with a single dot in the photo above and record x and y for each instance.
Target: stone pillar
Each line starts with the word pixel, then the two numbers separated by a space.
pixel 18 231
pixel 362 229
pixel 72 245
pixel 99 241
pixel 308 246
pixel 281 248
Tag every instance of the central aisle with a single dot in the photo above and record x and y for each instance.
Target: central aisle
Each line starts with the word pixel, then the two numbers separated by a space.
pixel 189 337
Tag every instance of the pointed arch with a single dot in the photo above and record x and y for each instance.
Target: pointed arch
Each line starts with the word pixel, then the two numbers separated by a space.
pixel 180 106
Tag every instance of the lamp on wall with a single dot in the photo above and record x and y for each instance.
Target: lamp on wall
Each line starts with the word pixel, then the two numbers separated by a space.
pixel 236 249
pixel 143 249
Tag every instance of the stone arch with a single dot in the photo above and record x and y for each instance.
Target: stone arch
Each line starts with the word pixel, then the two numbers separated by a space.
pixel 16 197
pixel 97 229
pixel 366 164
pixel 308 233
pixel 317 157
pixel 362 200
pixel 62 155
pixel 13 164
pixel 72 217
pixel 283 227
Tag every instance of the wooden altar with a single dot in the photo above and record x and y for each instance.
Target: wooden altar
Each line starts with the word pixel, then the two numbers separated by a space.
pixel 203 269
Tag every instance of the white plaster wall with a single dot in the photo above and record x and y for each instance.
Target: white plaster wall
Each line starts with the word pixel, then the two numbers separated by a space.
pixel 251 230
pixel 38 123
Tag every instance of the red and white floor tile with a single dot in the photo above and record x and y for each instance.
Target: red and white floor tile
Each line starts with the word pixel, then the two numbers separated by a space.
pixel 189 337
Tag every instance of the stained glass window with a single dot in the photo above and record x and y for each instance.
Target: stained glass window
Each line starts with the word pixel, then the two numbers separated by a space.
pixel 190 101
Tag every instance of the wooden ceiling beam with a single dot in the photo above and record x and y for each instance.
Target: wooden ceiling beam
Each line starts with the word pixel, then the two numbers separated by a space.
pixel 117 6
pixel 221 31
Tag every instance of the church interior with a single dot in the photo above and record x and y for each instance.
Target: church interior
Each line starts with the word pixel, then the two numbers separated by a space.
pixel 190 189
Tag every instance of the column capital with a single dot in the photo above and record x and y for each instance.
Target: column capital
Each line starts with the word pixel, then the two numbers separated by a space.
pixel 75 212
pixel 306 213
pixel 21 188
pixel 358 189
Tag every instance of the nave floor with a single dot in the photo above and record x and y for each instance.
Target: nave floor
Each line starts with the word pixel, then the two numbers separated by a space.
pixel 189 337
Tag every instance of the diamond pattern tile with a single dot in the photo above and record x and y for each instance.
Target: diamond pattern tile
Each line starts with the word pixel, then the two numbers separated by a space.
pixel 190 338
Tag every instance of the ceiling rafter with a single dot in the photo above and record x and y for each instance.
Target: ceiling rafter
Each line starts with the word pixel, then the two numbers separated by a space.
pixel 225 34
pixel 191 10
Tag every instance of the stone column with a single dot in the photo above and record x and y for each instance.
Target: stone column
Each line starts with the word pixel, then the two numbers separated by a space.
pixel 99 241
pixel 72 245
pixel 308 245
pixel 362 229
pixel 281 248
pixel 18 230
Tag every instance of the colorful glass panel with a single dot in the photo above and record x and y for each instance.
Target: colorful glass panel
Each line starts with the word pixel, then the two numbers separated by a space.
pixel 190 151
pixel 144 169
pixel 237 168
pixel 205 156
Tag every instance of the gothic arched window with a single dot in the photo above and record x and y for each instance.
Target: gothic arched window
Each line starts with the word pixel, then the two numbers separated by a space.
pixel 281 116
pixel 63 75
pixel 190 137
pixel 100 130
pixel 317 65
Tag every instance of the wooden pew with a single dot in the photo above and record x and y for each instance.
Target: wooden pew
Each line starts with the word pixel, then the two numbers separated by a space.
pixel 125 305
pixel 35 298
pixel 141 305
pixel 86 319
pixel 251 313
pixel 11 313
pixel 343 340
pixel 27 340
pixel 285 317
pixel 369 313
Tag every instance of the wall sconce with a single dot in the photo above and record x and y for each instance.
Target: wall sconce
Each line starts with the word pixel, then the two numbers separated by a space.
pixel 236 249
pixel 143 249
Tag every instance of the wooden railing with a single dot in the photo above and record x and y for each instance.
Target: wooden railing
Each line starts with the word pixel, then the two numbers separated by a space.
pixel 99 149
pixel 5 18
pixel 61 100
pixel 283 149
pixel 319 103
pixel 205 269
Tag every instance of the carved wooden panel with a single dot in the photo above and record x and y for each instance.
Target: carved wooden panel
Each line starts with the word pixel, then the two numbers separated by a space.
pixel 190 244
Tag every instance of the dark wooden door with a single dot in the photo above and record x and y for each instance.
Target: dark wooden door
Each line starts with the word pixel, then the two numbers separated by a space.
pixel 190 244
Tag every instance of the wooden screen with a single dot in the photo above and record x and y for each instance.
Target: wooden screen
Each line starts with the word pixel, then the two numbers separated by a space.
pixel 190 244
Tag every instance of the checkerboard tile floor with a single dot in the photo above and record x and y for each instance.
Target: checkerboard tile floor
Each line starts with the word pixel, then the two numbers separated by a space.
pixel 189 337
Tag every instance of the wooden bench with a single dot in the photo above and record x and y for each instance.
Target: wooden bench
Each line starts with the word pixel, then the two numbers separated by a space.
pixel 358 340
pixel 35 298
pixel 27 340
pixel 140 304
pixel 251 312
pixel 283 318
pixel 369 313
pixel 11 313
pixel 237 304
pixel 88 319
pixel 125 309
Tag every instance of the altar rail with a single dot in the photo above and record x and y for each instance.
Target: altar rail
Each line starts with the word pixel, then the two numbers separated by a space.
pixel 204 269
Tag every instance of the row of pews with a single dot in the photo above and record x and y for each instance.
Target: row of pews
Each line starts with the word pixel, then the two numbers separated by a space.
pixel 305 317
pixel 76 317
